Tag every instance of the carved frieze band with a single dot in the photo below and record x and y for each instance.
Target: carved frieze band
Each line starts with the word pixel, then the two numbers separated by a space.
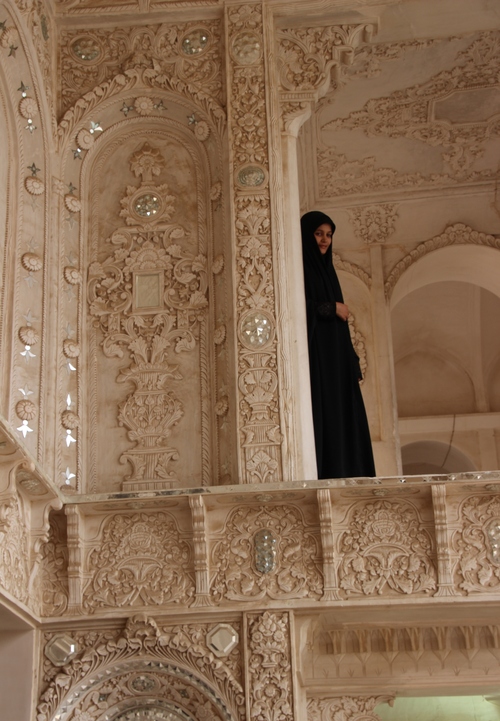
pixel 347 708
pixel 383 547
pixel 259 421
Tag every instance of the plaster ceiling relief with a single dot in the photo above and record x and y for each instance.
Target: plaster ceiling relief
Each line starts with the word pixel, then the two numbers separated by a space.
pixel 380 130
pixel 172 56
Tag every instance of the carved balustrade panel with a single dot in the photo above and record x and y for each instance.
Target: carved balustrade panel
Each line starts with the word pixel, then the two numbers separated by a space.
pixel 139 560
pixel 14 547
pixel 477 545
pixel 266 552
pixel 386 549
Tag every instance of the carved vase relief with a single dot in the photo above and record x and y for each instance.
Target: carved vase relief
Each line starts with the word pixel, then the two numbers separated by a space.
pixel 386 550
pixel 147 296
pixel 142 561
pixel 269 667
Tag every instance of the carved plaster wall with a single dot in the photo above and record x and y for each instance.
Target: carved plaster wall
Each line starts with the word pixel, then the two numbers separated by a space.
pixel 147 225
pixel 148 354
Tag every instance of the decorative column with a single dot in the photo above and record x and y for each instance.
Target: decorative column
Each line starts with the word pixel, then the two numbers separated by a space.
pixel 75 557
pixel 389 453
pixel 331 592
pixel 374 224
pixel 200 543
pixel 443 545
pixel 257 348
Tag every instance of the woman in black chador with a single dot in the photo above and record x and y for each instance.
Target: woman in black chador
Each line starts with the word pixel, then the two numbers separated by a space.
pixel 343 446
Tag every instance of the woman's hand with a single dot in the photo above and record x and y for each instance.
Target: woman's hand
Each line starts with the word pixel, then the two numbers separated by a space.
pixel 342 311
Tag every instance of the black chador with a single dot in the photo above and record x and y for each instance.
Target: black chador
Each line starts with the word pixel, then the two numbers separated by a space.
pixel 342 436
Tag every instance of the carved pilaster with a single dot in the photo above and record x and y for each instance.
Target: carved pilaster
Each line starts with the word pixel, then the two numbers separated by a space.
pixel 259 422
pixel 446 586
pixel 74 557
pixel 200 543
pixel 331 591
pixel 270 692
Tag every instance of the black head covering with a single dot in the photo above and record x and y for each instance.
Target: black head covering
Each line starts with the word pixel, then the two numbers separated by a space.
pixel 321 282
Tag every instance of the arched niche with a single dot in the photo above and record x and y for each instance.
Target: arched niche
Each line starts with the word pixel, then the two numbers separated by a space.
pixel 432 457
pixel 444 311
pixel 476 264
pixel 146 246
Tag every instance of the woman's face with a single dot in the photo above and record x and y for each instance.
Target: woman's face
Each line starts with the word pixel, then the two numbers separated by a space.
pixel 323 236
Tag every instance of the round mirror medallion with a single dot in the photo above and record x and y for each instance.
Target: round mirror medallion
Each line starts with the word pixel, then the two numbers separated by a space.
pixel 195 43
pixel 147 205
pixel 246 48
pixel 251 176
pixel 256 330
pixel 86 49
pixel 265 551
pixel 494 539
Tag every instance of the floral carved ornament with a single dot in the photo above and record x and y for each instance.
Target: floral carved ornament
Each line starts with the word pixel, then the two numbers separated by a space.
pixel 148 297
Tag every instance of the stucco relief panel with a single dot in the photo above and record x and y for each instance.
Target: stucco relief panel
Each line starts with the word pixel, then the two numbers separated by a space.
pixel 477 544
pixel 147 305
pixel 53 574
pixel 139 560
pixel 267 552
pixel 14 548
pixel 387 550
pixel 120 673
pixel 452 117
pixel 175 56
